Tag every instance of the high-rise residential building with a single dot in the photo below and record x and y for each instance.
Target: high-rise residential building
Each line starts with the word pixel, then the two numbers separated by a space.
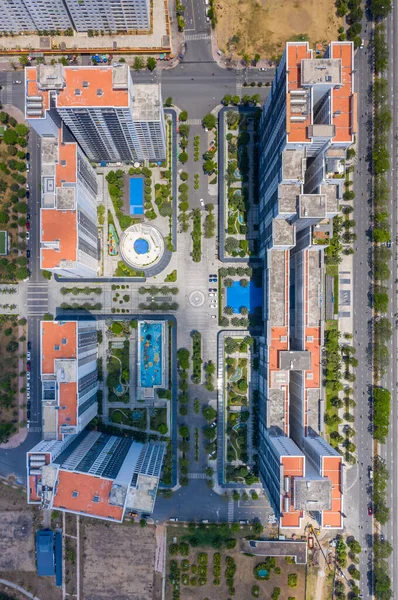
pixel 69 378
pixel 308 122
pixel 111 118
pixel 69 244
pixel 110 16
pixel 74 469
pixel 96 475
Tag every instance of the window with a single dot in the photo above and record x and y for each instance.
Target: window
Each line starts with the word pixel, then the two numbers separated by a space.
pixel 75 494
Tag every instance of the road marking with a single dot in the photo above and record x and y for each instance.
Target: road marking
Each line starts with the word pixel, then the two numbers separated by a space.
pixel 194 122
pixel 231 508
pixel 197 476
pixel 193 37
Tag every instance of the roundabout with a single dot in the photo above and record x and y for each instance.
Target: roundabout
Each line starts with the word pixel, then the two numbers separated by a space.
pixel 141 246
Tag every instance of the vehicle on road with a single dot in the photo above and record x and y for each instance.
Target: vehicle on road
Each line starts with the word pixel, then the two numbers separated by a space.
pixel 17 81
pixel 27 185
pixel 29 345
pixel 27 224
pixel 28 404
pixel 28 415
pixel 28 195
pixel 28 253
pixel 27 235
pixel 28 366
pixel 27 156
pixel 370 473
pixel 211 295
pixel 202 203
pixel 28 355
pixel 213 275
pixel 28 167
pixel 213 317
pixel 212 289
pixel 173 519
pixel 28 395
pixel 370 510
pixel 28 376
pixel 28 216
pixel 28 385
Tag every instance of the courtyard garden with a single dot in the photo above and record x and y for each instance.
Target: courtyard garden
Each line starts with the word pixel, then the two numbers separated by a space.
pixel 133 418
pixel 240 201
pixel 118 371
pixel 205 562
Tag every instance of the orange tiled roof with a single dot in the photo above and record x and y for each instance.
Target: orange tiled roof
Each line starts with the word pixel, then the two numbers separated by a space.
pixel 58 225
pixel 33 90
pixel 33 481
pixel 67 414
pixel 88 486
pixel 68 153
pixel 97 78
pixel 297 132
pixel 332 470
pixel 343 97
pixel 52 335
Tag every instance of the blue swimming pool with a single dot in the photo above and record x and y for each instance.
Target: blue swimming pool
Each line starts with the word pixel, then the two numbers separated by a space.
pixel 151 335
pixel 141 246
pixel 250 296
pixel 136 195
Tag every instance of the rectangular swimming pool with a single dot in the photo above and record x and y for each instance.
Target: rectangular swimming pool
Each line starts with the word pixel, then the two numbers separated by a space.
pixel 251 297
pixel 151 354
pixel 136 195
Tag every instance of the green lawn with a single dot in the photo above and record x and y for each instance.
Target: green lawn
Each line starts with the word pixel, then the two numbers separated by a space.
pixel 3 243
pixel 159 418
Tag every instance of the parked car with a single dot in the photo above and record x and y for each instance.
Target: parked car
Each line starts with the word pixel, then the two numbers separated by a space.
pixel 27 185
pixel 212 289
pixel 28 415
pixel 213 317
pixel 28 385
pixel 27 226
pixel 28 167
pixel 27 235
pixel 28 156
pixel 370 473
pixel 28 195
pixel 28 366
pixel 28 404
pixel 28 375
pixel 211 295
pixel 28 355
pixel 370 510
pixel 202 203
pixel 28 395
pixel 213 275
pixel 29 345
pixel 28 253
pixel 173 519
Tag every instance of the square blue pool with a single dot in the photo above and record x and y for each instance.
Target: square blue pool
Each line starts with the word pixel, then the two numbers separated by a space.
pixel 136 195
pixel 250 296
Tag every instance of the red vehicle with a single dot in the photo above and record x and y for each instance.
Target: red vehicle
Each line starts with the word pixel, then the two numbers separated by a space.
pixel 370 511
pixel 28 366
pixel 27 226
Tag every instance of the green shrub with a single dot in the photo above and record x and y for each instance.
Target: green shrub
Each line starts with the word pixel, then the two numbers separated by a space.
pixel 292 580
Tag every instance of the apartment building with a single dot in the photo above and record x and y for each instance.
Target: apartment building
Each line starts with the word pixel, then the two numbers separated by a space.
pixel 94 474
pixel 69 378
pixel 110 16
pixel 308 122
pixel 74 469
pixel 111 118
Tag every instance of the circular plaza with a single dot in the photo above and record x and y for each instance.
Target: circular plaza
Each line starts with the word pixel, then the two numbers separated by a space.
pixel 141 246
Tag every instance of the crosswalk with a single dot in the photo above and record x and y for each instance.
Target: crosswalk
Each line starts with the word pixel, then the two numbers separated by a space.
pixel 238 88
pixel 196 475
pixel 231 507
pixel 194 122
pixel 192 37
pixel 37 298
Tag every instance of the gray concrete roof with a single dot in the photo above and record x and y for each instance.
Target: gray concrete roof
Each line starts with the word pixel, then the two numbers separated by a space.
pixel 147 104
pixel 288 195
pixel 283 234
pixel 315 288
pixel 313 407
pixel 312 494
pixel 276 548
pixel 275 408
pixel 120 76
pixel 322 130
pixel 295 360
pixel 293 166
pixel 50 77
pixel 276 262
pixel 66 198
pixel 312 206
pixel 321 71
pixel 332 204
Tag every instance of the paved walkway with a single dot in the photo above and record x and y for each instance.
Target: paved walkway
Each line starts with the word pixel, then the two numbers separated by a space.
pixel 18 588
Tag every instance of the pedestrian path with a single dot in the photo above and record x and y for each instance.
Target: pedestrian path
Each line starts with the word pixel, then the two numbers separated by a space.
pixel 197 476
pixel 194 122
pixel 238 88
pixel 192 37
pixel 231 508
pixel 37 302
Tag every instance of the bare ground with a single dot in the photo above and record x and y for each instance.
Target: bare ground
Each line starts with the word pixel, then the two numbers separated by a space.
pixel 264 26
pixel 16 542
pixel 119 561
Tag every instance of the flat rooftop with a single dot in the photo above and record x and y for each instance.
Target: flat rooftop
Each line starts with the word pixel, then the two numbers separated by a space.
pixel 312 206
pixel 92 87
pixel 295 360
pixel 288 195
pixel 293 164
pixel 58 341
pixel 278 279
pixel 312 494
pixel 315 291
pixel 332 204
pixel 276 408
pixel 283 234
pixel 325 71
pixel 147 102
pixel 276 548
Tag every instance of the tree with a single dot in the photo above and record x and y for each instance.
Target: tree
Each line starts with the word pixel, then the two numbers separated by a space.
pixel 3 117
pixel 23 60
pixel 209 167
pixel 21 207
pixel 183 157
pixel 10 136
pixel 22 273
pixel 209 413
pixel 168 101
pixel 257 528
pixel 227 99
pixel 4 217
pixel 21 129
pixel 183 115
pixel 209 121
pixel 235 100
pixel 354 546
pixel 183 431
pixel 231 245
pixel 138 63
pixel 151 63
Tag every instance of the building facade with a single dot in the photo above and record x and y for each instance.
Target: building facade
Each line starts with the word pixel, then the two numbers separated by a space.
pixel 110 16
pixel 111 119
pixel 308 122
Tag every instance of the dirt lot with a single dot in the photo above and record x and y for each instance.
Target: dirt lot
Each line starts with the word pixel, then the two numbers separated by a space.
pixel 243 580
pixel 119 561
pixel 263 26
pixel 16 542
